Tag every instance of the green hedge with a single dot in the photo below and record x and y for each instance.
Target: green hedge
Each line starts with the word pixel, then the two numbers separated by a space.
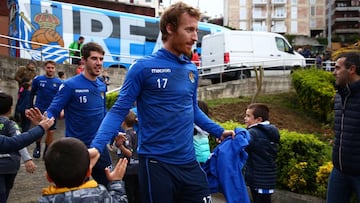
pixel 111 99
pixel 316 91
pixel 299 159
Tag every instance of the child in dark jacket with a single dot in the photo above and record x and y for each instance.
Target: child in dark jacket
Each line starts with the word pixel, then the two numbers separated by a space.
pixel 127 143
pixel 23 103
pixel 10 161
pixel 260 172
pixel 67 164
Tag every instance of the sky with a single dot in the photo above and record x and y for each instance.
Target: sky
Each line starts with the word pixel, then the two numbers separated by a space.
pixel 214 8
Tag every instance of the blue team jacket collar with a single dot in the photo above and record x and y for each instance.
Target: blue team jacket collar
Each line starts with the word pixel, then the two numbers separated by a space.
pixel 181 59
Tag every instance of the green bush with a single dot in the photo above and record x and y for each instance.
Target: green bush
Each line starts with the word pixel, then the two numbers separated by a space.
pixel 299 159
pixel 111 99
pixel 316 92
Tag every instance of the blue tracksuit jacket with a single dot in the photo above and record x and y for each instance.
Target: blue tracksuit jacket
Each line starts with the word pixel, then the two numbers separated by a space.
pixel 165 89
pixel 224 167
pixel 44 89
pixel 83 102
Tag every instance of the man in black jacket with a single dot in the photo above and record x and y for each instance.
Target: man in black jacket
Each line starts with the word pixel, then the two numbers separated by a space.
pixel 345 176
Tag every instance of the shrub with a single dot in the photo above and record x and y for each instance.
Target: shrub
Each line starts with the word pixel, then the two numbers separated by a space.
pixel 322 176
pixel 315 91
pixel 111 99
pixel 299 158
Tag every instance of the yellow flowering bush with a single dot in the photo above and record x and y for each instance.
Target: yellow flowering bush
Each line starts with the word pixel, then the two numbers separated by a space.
pixel 322 176
pixel 296 174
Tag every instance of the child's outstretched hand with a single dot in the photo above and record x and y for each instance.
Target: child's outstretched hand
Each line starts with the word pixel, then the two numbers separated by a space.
pixel 118 172
pixel 37 118
pixel 34 115
pixel 46 122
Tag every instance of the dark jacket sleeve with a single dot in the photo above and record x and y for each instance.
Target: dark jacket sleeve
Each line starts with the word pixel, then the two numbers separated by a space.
pixel 17 142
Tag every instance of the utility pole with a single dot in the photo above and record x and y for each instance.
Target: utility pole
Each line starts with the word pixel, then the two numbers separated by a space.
pixel 329 24
pixel 268 17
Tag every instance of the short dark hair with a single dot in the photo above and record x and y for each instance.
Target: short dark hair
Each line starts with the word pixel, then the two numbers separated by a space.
pixel 6 101
pixel 49 61
pixel 260 110
pixel 172 16
pixel 91 46
pixel 204 107
pixel 60 74
pixel 351 58
pixel 81 38
pixel 25 83
pixel 130 119
pixel 67 161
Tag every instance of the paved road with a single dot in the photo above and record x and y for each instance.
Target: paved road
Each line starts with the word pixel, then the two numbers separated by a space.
pixel 27 187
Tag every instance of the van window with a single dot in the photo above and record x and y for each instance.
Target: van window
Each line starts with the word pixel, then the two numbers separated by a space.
pixel 282 45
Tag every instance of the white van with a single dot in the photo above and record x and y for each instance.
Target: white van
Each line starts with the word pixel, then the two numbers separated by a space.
pixel 233 54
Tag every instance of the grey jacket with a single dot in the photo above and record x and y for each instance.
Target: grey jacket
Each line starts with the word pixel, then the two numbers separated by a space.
pixel 115 193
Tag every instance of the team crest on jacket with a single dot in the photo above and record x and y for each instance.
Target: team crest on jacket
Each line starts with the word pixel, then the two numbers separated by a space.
pixel 192 77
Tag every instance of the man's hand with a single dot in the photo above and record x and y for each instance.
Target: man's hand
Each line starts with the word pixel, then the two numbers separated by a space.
pixel 227 133
pixel 30 166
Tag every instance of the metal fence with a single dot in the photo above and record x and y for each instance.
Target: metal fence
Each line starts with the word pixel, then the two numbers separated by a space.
pixel 42 52
pixel 203 70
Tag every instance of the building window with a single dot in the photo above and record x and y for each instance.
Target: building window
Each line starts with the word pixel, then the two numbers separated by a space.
pixel 148 1
pixel 312 11
pixel 294 14
pixel 294 26
pixel 243 13
pixel 279 12
pixel 312 23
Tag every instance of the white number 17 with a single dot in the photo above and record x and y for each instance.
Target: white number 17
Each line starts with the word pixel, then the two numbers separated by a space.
pixel 161 83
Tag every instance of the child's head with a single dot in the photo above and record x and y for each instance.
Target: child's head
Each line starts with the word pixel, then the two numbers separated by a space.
pixel 6 101
pixel 130 120
pixel 26 83
pixel 203 106
pixel 256 113
pixel 67 162
pixel 61 74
